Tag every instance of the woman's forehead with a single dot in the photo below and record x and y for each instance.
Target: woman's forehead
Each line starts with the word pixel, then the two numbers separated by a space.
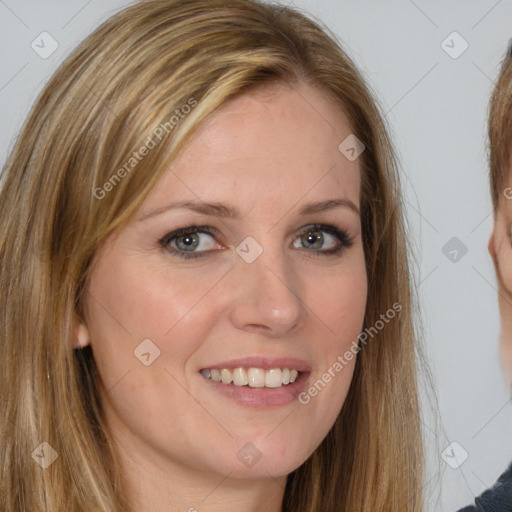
pixel 261 160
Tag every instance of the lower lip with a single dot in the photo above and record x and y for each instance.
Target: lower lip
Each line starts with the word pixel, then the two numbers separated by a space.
pixel 261 397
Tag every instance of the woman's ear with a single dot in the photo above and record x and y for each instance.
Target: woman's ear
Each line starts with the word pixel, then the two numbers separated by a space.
pixel 82 338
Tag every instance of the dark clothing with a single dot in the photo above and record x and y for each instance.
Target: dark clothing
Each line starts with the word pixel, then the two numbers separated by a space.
pixel 496 499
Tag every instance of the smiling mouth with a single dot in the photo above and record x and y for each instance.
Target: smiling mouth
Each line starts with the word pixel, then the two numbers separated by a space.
pixel 253 377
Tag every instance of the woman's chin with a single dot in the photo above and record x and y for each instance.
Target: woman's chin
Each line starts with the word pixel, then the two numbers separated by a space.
pixel 260 469
pixel 252 462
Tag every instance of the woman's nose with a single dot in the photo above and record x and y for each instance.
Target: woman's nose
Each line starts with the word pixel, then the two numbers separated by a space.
pixel 267 294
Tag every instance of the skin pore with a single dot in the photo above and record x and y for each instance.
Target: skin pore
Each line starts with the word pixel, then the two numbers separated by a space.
pixel 500 249
pixel 267 153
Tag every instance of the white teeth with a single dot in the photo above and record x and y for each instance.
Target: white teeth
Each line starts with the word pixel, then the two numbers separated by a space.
pixel 273 378
pixel 253 377
pixel 256 377
pixel 215 375
pixel 226 376
pixel 240 377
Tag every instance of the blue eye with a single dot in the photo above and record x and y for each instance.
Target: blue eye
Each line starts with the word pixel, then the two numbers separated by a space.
pixel 186 242
pixel 313 236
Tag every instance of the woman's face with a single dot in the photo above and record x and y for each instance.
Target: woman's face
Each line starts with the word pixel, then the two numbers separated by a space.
pixel 261 290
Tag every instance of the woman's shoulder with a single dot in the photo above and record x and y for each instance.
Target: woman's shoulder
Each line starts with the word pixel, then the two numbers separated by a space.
pixel 496 499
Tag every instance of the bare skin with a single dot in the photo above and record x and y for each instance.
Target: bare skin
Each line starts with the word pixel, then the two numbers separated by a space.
pixel 500 249
pixel 178 436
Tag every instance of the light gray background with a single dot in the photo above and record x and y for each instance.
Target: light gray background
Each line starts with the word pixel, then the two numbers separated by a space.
pixel 437 107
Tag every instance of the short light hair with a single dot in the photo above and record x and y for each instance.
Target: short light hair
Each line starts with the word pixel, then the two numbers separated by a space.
pixel 500 129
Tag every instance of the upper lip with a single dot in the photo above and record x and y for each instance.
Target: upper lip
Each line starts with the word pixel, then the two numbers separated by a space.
pixel 262 362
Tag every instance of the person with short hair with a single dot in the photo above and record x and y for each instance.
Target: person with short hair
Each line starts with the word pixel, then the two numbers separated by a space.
pixel 499 497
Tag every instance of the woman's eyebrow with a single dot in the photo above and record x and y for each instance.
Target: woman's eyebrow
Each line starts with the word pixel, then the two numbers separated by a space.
pixel 216 209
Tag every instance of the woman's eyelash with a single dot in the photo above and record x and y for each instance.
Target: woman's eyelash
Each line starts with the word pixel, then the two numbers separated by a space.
pixel 188 230
pixel 343 238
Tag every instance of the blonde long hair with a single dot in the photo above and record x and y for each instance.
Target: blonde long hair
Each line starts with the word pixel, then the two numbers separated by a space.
pixel 118 86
